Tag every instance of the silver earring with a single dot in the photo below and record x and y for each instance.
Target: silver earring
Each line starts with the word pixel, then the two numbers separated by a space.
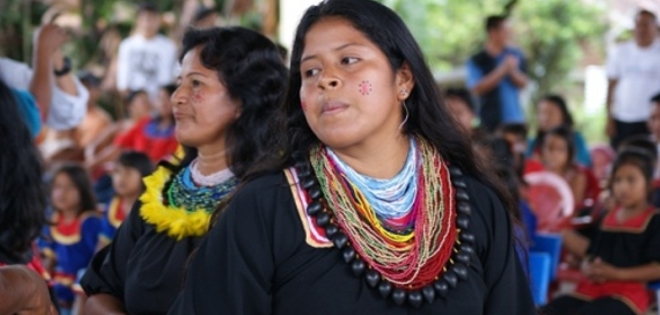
pixel 405 119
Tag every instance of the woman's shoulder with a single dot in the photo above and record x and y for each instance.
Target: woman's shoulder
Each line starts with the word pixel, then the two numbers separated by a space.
pixel 486 203
pixel 264 183
pixel 265 202
pixel 477 189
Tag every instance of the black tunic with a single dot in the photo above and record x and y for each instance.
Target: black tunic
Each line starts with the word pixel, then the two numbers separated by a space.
pixel 141 267
pixel 256 261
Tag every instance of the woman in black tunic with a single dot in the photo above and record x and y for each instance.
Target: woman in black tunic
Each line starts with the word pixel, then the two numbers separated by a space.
pixel 381 207
pixel 230 83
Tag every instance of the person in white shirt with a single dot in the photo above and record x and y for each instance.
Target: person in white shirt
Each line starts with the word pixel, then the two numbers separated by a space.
pixel 62 99
pixel 633 71
pixel 146 60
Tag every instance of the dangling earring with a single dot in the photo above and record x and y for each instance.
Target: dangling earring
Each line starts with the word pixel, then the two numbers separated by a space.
pixel 404 93
pixel 405 119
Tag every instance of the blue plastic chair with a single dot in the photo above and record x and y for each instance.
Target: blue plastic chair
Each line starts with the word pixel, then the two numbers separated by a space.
pixel 550 244
pixel 539 272
pixel 655 287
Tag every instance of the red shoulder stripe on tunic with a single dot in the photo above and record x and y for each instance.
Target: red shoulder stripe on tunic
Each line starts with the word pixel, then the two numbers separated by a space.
pixel 314 235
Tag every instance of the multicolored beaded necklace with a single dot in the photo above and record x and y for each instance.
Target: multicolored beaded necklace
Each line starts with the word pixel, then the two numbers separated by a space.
pixel 411 265
pixel 392 199
pixel 181 209
pixel 183 192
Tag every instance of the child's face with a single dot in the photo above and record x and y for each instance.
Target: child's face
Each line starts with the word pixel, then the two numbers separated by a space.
pixel 64 194
pixel 126 181
pixel 554 153
pixel 140 107
pixel 629 186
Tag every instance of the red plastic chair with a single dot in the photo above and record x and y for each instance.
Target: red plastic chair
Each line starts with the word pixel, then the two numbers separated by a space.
pixel 551 200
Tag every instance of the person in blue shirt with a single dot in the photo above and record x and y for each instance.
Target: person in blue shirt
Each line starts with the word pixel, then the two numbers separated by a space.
pixel 29 110
pixel 496 75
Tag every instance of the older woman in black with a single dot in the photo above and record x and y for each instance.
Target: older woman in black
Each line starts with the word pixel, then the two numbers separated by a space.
pixel 230 84
pixel 376 204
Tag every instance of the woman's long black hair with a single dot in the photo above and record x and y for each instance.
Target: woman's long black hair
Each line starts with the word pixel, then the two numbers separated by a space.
pixel 250 67
pixel 22 193
pixel 429 116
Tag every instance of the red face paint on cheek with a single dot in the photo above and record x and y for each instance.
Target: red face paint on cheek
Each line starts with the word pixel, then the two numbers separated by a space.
pixel 303 104
pixel 365 87
pixel 198 98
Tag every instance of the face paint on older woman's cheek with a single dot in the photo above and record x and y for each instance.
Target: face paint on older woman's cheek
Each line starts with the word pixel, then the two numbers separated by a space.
pixel 365 87
pixel 198 98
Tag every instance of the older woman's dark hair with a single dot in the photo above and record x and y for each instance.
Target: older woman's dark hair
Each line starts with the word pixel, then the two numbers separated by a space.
pixel 429 116
pixel 22 194
pixel 249 65
pixel 83 183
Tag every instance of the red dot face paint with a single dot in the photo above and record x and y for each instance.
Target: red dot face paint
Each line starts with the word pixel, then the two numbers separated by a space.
pixel 303 104
pixel 197 98
pixel 365 87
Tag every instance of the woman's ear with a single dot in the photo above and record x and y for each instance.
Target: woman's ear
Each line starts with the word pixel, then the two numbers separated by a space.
pixel 405 81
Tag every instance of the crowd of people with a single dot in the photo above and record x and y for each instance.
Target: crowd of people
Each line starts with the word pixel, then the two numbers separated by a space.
pixel 346 182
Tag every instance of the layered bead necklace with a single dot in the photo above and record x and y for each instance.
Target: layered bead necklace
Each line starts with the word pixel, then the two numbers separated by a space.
pixel 364 222
pixel 176 204
pixel 192 190
pixel 391 199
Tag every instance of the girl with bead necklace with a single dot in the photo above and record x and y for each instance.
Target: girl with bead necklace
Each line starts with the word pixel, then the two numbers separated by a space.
pixel 382 207
pixel 230 83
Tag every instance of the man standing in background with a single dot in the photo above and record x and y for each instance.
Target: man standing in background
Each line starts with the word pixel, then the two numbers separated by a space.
pixel 146 60
pixel 496 75
pixel 633 72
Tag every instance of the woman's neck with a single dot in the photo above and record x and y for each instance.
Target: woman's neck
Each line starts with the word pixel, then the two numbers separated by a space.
pixel 211 159
pixel 377 159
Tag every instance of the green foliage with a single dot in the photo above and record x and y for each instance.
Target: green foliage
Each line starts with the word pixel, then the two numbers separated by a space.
pixel 551 32
pixel 554 34
pixel 17 18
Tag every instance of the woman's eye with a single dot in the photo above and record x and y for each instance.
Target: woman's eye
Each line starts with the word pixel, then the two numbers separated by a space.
pixel 311 72
pixel 196 83
pixel 349 60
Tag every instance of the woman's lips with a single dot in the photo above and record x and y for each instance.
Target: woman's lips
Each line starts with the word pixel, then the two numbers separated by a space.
pixel 333 107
